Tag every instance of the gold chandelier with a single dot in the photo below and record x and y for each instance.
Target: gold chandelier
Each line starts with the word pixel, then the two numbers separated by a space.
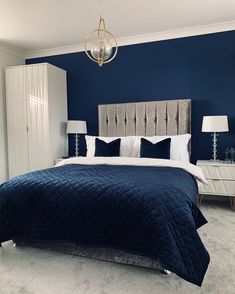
pixel 100 45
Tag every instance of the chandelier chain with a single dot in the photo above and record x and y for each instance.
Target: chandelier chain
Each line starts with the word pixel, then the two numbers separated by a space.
pixel 100 7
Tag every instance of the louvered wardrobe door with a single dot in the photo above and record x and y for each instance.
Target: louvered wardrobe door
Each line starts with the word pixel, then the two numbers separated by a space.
pixel 37 113
pixel 16 121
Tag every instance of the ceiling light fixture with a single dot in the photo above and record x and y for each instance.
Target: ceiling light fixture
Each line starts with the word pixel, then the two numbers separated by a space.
pixel 100 45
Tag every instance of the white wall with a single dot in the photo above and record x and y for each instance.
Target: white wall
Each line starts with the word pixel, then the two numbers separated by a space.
pixel 7 58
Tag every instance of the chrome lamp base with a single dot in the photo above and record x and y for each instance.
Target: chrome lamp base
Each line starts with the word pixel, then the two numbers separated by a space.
pixel 214 147
pixel 76 145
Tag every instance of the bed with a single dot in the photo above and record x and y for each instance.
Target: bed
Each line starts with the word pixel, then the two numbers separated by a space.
pixel 98 224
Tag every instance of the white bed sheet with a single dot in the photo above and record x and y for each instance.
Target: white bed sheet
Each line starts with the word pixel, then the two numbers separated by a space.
pixel 190 168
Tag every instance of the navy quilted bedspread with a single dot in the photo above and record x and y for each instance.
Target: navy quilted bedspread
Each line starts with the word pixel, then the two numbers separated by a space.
pixel 149 211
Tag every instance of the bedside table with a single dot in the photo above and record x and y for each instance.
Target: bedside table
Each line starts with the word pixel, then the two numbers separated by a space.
pixel 58 160
pixel 220 177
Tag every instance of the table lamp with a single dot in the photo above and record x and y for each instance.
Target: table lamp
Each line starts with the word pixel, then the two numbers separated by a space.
pixel 76 127
pixel 214 124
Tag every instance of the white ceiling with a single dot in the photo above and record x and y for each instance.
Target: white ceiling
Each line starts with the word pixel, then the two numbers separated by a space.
pixel 42 24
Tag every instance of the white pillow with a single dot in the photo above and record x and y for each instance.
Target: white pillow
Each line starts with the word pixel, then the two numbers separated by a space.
pixel 126 146
pixel 179 146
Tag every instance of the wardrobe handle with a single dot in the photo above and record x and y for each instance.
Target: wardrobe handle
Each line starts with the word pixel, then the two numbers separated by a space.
pixel 27 129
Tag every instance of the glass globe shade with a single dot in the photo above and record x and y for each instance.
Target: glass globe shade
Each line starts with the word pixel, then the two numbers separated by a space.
pixel 101 49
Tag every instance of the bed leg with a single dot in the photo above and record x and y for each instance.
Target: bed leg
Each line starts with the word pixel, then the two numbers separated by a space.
pixel 165 272
pixel 232 201
pixel 199 200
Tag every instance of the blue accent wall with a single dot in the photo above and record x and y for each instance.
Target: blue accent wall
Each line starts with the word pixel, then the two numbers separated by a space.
pixel 201 68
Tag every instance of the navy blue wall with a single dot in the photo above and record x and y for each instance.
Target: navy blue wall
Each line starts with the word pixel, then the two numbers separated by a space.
pixel 201 68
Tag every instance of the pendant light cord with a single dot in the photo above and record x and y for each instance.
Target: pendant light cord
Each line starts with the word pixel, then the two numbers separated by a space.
pixel 100 7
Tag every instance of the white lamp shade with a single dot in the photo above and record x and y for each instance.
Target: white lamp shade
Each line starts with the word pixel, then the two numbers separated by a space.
pixel 216 123
pixel 76 127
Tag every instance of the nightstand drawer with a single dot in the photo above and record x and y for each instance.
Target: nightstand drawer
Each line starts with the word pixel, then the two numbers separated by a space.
pixel 218 187
pixel 219 172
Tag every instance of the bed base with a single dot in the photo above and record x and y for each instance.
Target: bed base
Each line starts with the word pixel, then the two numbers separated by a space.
pixel 100 253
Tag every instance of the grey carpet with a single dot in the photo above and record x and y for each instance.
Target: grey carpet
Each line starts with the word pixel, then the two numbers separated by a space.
pixel 34 271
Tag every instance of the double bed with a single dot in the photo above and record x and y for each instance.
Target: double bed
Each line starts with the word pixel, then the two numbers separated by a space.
pixel 138 211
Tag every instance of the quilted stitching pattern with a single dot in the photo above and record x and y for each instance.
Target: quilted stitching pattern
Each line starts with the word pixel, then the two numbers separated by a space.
pixel 149 211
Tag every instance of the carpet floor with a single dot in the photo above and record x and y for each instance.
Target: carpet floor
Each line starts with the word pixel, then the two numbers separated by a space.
pixel 33 271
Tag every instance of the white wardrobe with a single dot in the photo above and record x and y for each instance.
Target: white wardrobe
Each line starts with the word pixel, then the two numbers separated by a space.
pixel 36 100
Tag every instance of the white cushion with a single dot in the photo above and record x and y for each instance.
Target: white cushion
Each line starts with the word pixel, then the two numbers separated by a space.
pixel 179 146
pixel 126 147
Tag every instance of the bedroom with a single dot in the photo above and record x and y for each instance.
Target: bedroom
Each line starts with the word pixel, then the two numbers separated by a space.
pixel 128 138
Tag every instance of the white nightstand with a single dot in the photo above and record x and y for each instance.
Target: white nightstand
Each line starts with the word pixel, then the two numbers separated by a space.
pixel 220 177
pixel 58 160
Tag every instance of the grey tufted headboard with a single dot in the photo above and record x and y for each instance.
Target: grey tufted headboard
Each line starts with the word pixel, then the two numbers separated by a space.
pixel 168 117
